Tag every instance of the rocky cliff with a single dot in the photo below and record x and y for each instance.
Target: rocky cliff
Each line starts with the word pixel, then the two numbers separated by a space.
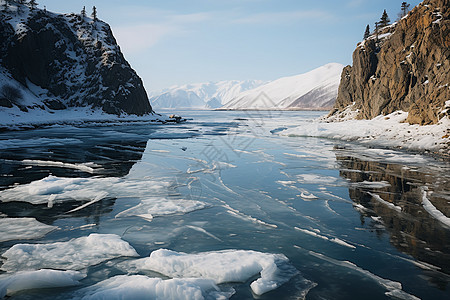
pixel 65 60
pixel 407 67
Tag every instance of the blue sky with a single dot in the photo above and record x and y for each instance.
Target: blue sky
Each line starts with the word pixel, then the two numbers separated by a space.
pixel 175 42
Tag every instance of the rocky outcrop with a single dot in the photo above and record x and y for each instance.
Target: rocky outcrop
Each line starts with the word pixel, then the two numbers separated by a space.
pixel 69 61
pixel 407 69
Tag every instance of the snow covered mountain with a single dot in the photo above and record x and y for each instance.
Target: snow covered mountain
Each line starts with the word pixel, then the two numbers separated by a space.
pixel 316 89
pixel 51 62
pixel 201 95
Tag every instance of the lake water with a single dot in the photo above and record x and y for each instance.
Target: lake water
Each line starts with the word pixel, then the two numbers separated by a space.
pixel 322 219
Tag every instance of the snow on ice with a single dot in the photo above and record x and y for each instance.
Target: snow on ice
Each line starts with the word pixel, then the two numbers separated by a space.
pixel 75 254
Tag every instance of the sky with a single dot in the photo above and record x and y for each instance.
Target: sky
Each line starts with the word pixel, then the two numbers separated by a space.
pixel 174 42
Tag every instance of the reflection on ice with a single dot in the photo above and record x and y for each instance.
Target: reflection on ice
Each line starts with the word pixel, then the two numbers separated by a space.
pixel 394 289
pixel 75 254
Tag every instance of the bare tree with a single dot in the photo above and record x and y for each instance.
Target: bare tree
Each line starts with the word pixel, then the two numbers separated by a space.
pixel 405 9
pixel 10 93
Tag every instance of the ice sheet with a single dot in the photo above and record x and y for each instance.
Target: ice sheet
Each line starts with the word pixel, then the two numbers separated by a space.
pixel 41 279
pixel 22 229
pixel 143 287
pixel 75 254
pixel 393 288
pixel 223 266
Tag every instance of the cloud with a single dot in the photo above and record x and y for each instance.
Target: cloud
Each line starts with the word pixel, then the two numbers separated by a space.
pixel 283 17
pixel 138 38
pixel 141 36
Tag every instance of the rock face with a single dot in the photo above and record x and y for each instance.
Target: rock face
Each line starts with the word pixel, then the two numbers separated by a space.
pixel 408 69
pixel 68 61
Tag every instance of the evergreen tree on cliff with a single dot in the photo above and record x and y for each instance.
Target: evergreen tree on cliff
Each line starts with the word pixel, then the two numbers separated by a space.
pixel 83 12
pixel 384 20
pixel 94 13
pixel 367 32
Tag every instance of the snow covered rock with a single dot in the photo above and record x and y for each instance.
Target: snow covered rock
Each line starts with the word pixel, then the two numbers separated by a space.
pixel 407 70
pixel 53 61
pixel 316 89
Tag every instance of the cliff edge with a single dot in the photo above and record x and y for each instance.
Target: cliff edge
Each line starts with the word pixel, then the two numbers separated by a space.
pixel 54 61
pixel 407 67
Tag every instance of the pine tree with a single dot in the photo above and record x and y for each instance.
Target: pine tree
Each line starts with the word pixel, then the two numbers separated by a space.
pixel 405 9
pixel 83 12
pixel 384 19
pixel 367 32
pixel 94 13
pixel 32 4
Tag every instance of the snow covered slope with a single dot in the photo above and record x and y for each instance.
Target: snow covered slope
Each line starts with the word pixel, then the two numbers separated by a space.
pixel 52 62
pixel 201 95
pixel 316 89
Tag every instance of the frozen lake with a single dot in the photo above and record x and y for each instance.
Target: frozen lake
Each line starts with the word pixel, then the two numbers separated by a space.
pixel 224 205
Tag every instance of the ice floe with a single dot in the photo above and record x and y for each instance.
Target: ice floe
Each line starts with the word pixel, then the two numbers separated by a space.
pixel 153 207
pixel 371 184
pixel 222 266
pixel 323 237
pixel 22 229
pixel 40 279
pixel 75 254
pixel 59 189
pixel 85 167
pixel 143 287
